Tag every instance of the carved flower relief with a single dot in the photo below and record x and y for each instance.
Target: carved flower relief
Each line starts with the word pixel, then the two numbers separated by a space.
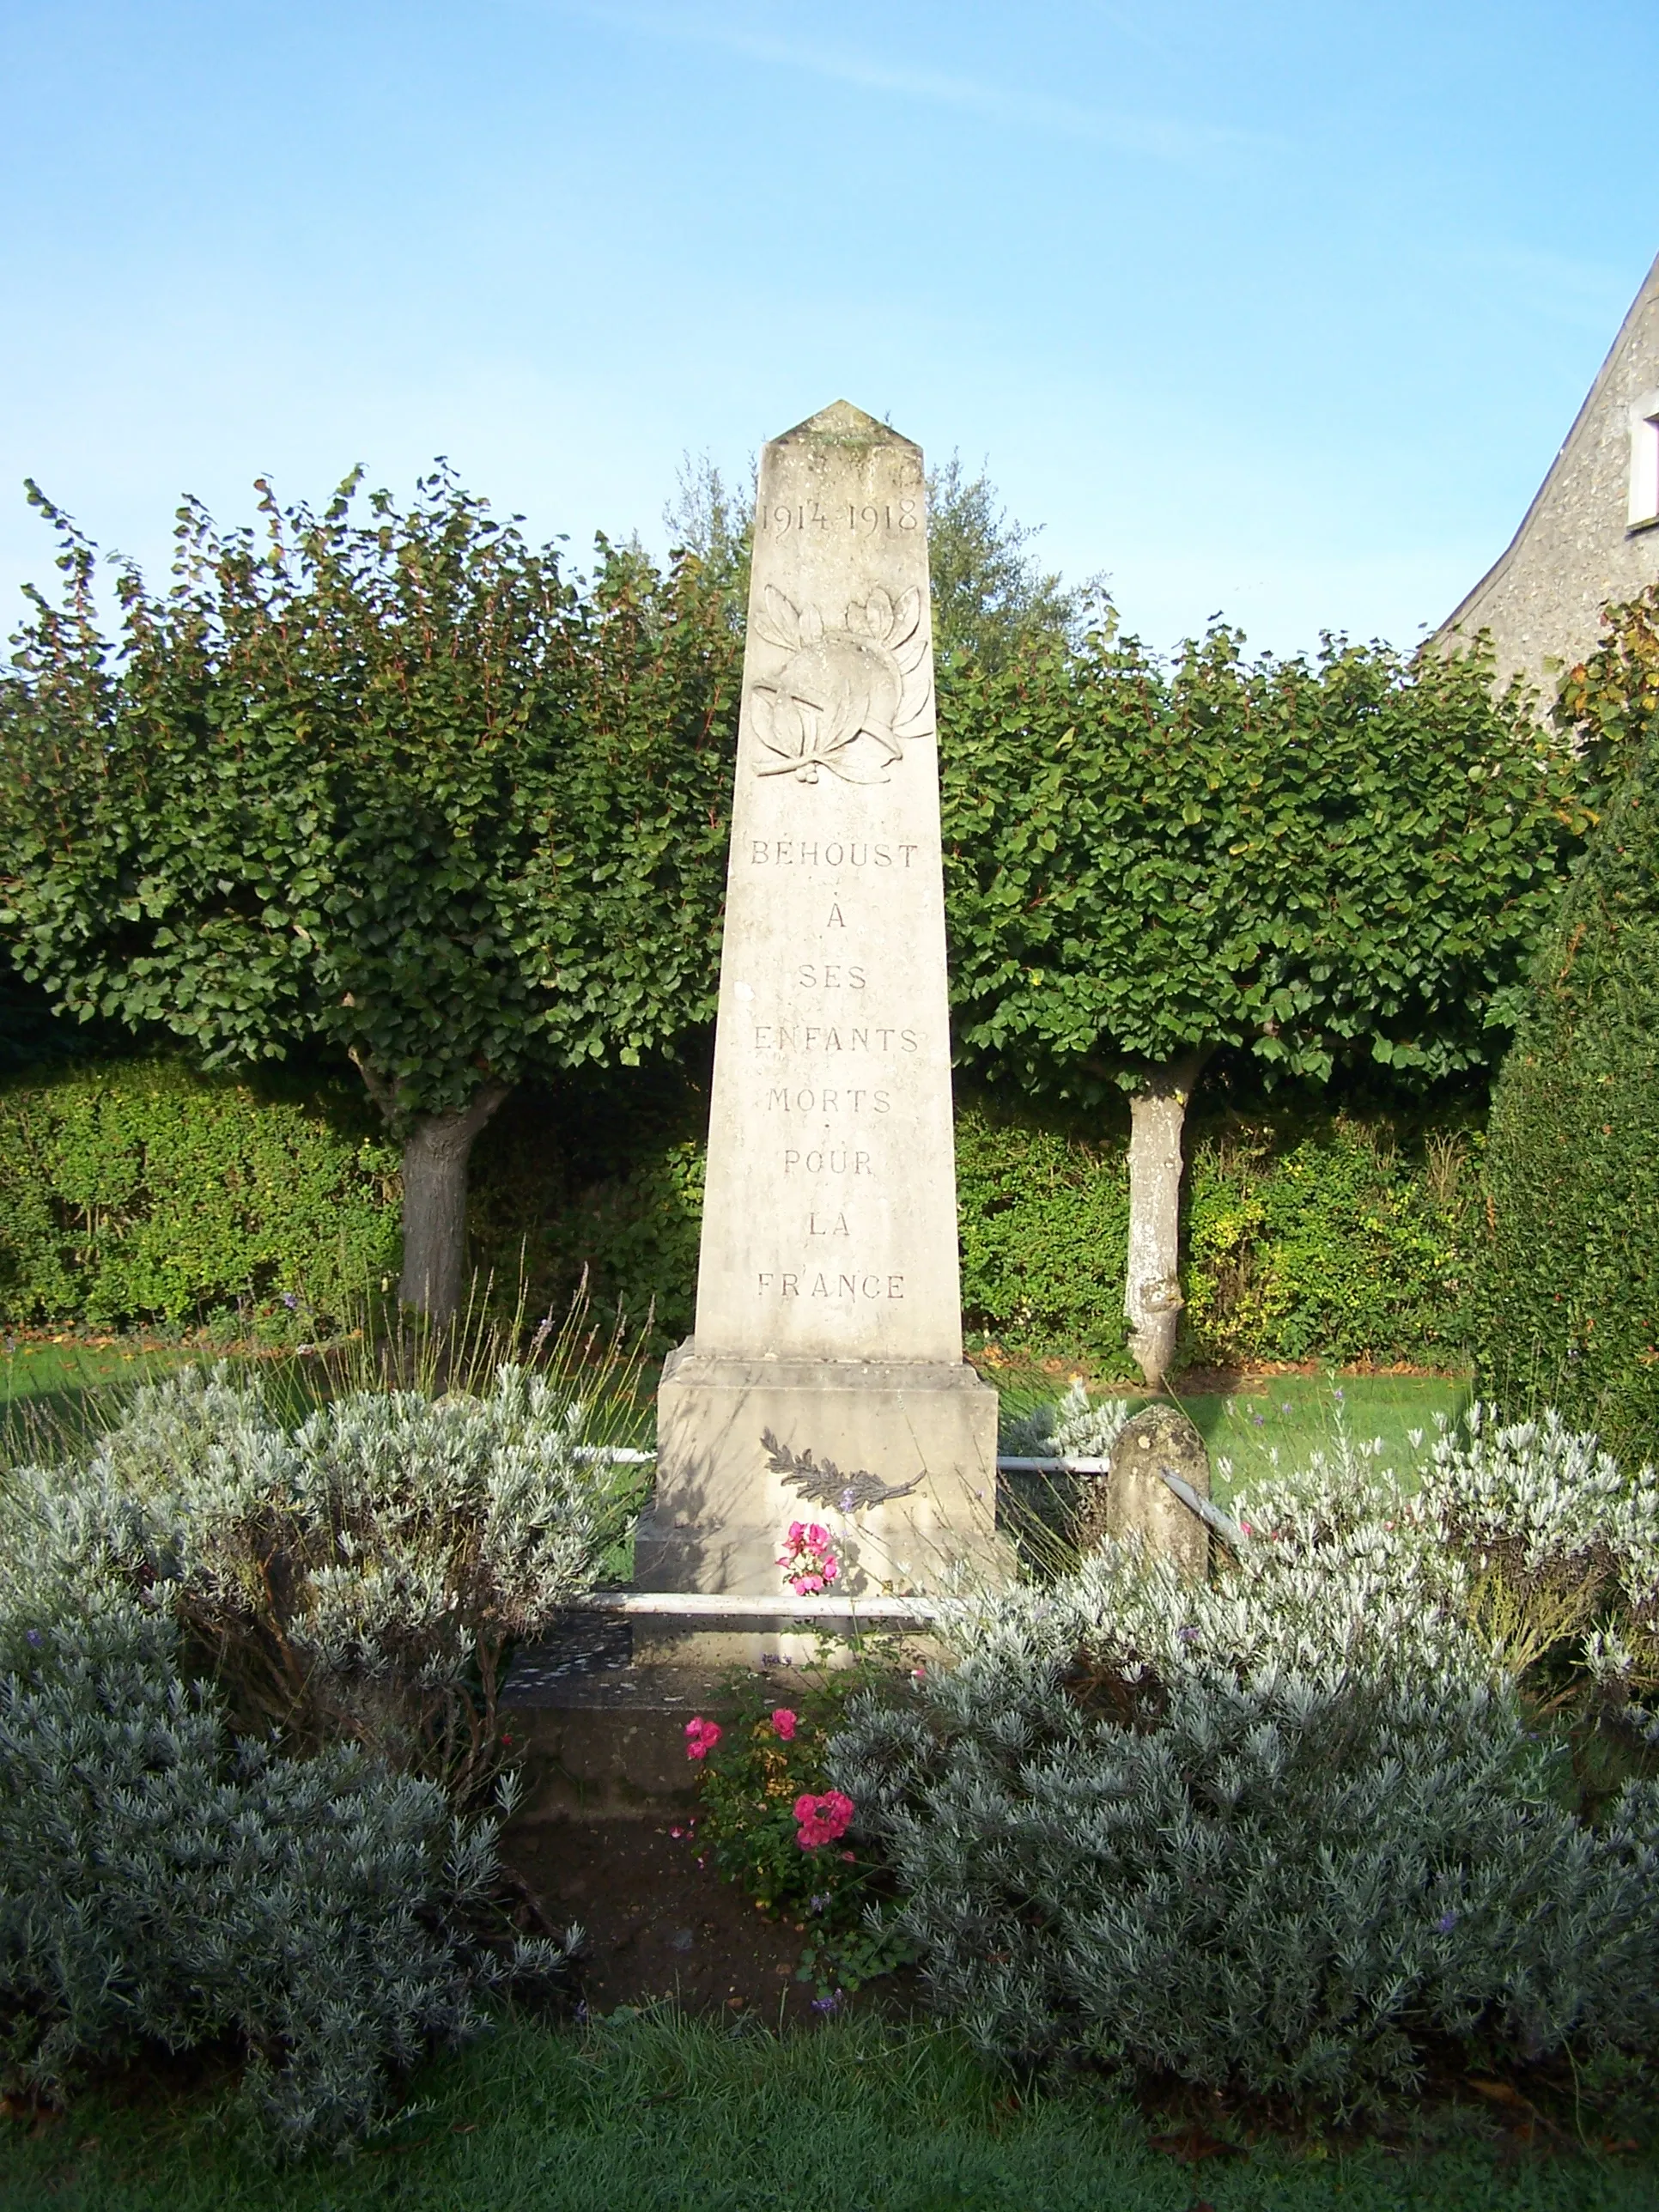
pixel 845 699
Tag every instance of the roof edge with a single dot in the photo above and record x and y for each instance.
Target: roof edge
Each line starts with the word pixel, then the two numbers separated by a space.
pixel 1648 289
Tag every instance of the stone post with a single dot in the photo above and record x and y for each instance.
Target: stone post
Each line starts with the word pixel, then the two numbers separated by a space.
pixel 1139 1503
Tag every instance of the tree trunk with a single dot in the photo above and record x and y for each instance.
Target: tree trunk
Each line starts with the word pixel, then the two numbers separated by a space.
pixel 1151 1295
pixel 435 1154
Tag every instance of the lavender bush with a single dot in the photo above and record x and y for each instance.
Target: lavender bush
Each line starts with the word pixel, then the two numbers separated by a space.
pixel 208 1593
pixel 1274 1832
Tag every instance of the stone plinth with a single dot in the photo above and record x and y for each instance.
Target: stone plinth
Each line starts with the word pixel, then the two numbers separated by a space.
pixel 829 1307
pixel 923 1430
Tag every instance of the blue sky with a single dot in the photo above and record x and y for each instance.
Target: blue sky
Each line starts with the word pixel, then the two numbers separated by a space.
pixel 1279 310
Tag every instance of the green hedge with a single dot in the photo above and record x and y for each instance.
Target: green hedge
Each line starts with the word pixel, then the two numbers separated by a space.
pixel 138 1191
pixel 1568 1295
pixel 1334 1237
pixel 548 1202
pixel 1307 1235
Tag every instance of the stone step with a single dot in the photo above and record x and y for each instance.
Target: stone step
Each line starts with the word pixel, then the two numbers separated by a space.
pixel 602 1738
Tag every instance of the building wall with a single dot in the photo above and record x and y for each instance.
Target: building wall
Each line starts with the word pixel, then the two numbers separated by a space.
pixel 1591 536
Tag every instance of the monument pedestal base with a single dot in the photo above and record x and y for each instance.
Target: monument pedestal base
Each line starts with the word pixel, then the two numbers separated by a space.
pixel 896 1460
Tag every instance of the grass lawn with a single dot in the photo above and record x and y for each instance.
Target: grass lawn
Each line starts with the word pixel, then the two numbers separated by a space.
pixel 1289 1415
pixel 1295 1415
pixel 46 1387
pixel 655 2111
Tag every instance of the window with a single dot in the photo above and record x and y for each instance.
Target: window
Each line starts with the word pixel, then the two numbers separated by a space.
pixel 1645 461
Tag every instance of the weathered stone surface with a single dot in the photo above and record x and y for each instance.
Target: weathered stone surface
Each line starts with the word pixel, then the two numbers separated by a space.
pixel 605 1747
pixel 1133 1499
pixel 830 1211
pixel 915 1430
pixel 1591 535
pixel 829 1307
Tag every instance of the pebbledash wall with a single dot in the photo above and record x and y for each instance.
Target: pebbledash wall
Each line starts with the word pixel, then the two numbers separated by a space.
pixel 1591 536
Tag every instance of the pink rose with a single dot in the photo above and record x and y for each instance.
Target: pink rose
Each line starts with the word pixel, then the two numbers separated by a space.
pixel 700 1737
pixel 824 1818
pixel 784 1724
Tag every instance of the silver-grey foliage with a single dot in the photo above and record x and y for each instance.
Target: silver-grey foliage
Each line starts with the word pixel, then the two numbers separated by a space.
pixel 163 1880
pixel 356 1576
pixel 1071 1428
pixel 1273 1832
pixel 1544 1506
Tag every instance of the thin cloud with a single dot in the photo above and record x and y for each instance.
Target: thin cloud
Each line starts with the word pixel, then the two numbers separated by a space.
pixel 1156 136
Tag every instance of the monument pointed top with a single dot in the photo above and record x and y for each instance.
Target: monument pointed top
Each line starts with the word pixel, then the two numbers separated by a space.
pixel 847 425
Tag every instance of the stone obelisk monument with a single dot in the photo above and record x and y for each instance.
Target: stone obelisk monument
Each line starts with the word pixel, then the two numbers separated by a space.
pixel 825 1380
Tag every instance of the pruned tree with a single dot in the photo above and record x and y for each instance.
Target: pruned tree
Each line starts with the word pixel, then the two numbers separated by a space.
pixel 1340 861
pixel 991 597
pixel 392 782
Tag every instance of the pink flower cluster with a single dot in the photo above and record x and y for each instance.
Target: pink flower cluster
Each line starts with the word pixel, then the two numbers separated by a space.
pixel 700 1737
pixel 823 1819
pixel 808 1565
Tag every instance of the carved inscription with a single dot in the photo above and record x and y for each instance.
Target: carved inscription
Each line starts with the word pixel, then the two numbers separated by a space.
pixel 847 1289
pixel 812 977
pixel 826 1160
pixel 788 1098
pixel 887 518
pixel 805 852
pixel 840 1037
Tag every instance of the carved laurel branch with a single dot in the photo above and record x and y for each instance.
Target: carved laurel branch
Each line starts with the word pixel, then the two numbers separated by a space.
pixel 824 1483
pixel 840 723
pixel 894 623
pixel 840 702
